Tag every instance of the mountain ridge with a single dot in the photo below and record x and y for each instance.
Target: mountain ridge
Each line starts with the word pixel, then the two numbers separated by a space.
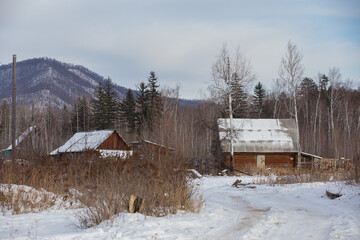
pixel 50 82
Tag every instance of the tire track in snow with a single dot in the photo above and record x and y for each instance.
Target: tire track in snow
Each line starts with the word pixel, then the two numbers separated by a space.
pixel 247 217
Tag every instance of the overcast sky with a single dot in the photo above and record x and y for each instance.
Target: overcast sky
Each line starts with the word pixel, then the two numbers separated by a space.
pixel 180 39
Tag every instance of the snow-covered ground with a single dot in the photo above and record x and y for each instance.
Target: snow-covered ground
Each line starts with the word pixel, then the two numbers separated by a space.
pixel 295 211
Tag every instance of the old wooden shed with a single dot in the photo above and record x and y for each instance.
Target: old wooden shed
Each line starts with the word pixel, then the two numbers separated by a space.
pixel 104 143
pixel 23 144
pixel 260 142
pixel 150 147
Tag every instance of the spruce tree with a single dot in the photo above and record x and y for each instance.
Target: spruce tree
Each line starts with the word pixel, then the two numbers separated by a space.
pixel 142 104
pixel 239 98
pixel 104 105
pixel 111 103
pixel 127 111
pixel 258 100
pixel 97 104
pixel 155 105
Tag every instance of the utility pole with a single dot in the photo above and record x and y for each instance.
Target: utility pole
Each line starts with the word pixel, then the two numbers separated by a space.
pixel 13 108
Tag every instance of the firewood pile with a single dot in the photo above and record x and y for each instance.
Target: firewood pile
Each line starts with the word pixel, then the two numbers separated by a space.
pixel 333 164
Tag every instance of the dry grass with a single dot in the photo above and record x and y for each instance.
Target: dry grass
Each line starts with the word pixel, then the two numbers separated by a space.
pixel 163 186
pixel 21 199
pixel 104 186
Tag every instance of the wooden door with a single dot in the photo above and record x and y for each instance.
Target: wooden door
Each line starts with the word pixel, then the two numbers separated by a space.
pixel 260 161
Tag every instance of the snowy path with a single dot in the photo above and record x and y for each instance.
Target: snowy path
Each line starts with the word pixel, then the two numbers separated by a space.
pixel 301 211
pixel 296 211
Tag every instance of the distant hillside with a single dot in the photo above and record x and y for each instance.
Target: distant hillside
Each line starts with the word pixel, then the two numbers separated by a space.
pixel 49 81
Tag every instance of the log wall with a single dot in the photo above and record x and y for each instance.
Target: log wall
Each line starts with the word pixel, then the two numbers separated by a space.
pixel 242 160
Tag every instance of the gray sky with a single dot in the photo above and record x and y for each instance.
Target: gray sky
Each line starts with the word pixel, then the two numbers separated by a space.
pixel 180 40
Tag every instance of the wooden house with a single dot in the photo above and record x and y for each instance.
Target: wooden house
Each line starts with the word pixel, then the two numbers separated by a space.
pixel 22 144
pixel 260 143
pixel 103 143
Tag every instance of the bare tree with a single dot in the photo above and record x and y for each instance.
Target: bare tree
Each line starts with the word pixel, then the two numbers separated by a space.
pixel 277 88
pixel 290 72
pixel 228 71
pixel 334 79
pixel 317 111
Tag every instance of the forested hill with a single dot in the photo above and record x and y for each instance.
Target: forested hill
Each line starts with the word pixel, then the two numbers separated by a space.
pixel 48 81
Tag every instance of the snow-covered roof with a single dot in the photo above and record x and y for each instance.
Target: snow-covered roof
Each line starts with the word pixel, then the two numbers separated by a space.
pixel 84 141
pixel 21 138
pixel 259 135
pixel 310 155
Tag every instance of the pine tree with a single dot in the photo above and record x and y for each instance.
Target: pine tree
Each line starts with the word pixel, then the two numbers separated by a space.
pixel 258 100
pixel 308 87
pixel 324 83
pixel 127 111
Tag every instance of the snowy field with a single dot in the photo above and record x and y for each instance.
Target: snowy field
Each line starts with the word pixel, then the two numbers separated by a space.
pixel 295 211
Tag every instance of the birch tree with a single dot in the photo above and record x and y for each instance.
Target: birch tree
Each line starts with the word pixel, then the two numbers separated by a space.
pixel 290 72
pixel 228 70
pixel 334 96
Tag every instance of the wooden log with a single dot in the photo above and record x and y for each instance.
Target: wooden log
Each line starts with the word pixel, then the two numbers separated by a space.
pixel 136 204
pixel 332 195
pixel 132 204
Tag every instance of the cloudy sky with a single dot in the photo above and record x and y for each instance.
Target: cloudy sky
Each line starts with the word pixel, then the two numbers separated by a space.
pixel 180 39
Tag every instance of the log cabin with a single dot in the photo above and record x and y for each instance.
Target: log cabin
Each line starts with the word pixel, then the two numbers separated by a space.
pixel 103 143
pixel 259 143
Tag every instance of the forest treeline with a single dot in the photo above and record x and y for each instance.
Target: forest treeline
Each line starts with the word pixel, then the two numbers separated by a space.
pixel 328 111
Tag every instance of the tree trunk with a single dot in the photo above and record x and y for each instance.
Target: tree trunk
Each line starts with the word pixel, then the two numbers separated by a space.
pixel 297 131
pixel 13 109
pixel 231 135
pixel 332 126
pixel 315 119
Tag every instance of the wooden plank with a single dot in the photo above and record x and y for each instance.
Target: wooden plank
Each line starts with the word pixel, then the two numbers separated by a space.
pixel 114 142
